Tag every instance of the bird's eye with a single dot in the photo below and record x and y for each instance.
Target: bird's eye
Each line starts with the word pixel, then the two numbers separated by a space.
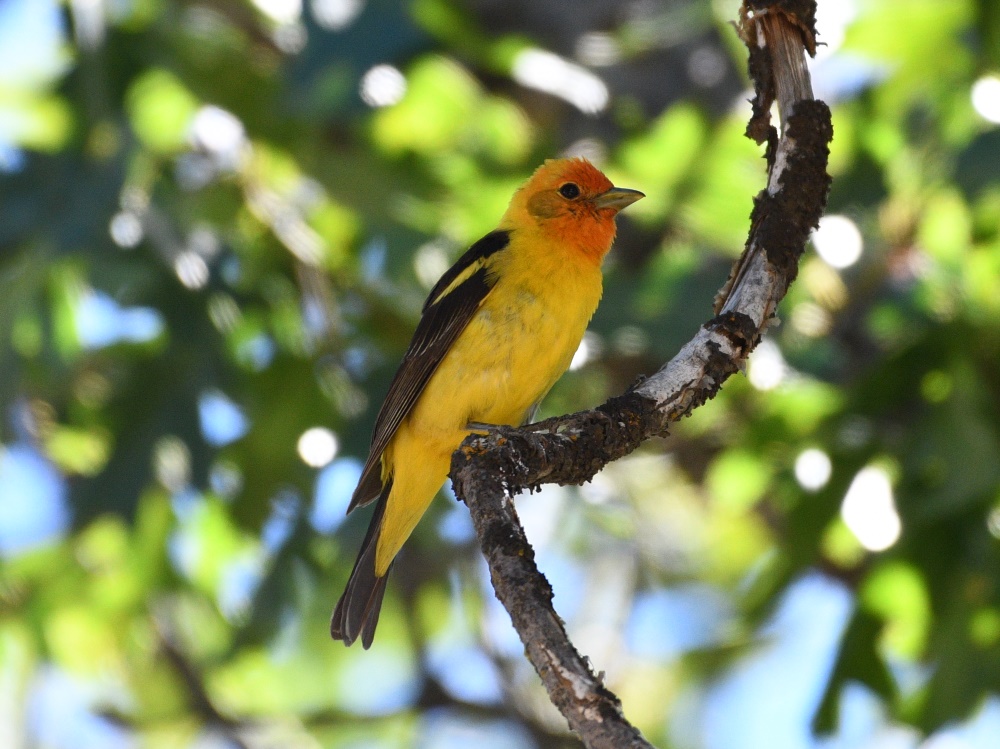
pixel 570 191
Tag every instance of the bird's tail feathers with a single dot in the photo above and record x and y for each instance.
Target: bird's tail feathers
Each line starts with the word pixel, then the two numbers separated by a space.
pixel 358 608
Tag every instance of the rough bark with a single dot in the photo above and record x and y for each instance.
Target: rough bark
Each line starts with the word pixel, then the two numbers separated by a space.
pixel 488 470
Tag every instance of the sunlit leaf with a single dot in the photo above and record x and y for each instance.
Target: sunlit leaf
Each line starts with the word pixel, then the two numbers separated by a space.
pixel 160 108
pixel 440 100
pixel 737 479
pixel 42 123
pixel 79 451
pixel 662 156
pixel 896 593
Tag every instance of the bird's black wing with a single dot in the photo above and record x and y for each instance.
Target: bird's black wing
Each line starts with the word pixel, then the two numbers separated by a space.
pixel 451 305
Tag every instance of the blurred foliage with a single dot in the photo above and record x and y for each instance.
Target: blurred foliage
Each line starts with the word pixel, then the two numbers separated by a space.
pixel 218 220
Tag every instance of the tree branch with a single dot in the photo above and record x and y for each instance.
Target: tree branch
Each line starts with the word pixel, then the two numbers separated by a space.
pixel 488 470
pixel 200 701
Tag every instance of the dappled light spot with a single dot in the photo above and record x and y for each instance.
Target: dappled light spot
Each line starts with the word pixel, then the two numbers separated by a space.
pixel 334 486
pixel 669 622
pixel 737 479
pixel 810 319
pixel 813 469
pixel 379 681
pixel 185 503
pixel 855 431
pixel 581 356
pixel 869 509
pixel 832 21
pixel 569 580
pixel 89 23
pixel 222 421
pixel 224 312
pixel 543 516
pixel 497 628
pixel 204 241
pixel 291 38
pixel 126 229
pixel 630 340
pixel 160 108
pixel 281 522
pixel 464 670
pixel 280 11
pixel 382 86
pixel 257 351
pixel 317 446
pixel 838 241
pixel 238 583
pixel 191 269
pixel 593 150
pixel 92 389
pixel 598 48
pixel 231 269
pixel 100 321
pixel 600 490
pixel 824 283
pixel 430 262
pixel 767 367
pixel 62 712
pixel 172 464
pixel 455 525
pixel 843 76
pixel 451 728
pixel 33 509
pixel 993 522
pixel 546 71
pixel 336 14
pixel 986 97
pixel 193 171
pixel 220 134
pixel 225 479
pixel 372 259
pixel 32 43
pixel 316 317
pixel 936 386
pixel 706 67
pixel 215 555
pixel 12 159
pixel 182 546
pixel 77 451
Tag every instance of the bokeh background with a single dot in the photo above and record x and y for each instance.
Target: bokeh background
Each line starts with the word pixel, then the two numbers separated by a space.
pixel 218 221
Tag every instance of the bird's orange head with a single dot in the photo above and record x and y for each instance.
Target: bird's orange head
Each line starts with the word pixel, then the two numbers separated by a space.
pixel 570 201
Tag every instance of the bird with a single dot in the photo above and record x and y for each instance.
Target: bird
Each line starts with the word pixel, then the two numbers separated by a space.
pixel 496 332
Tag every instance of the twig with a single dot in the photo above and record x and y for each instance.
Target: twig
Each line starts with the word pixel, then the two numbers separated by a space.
pixel 198 697
pixel 487 470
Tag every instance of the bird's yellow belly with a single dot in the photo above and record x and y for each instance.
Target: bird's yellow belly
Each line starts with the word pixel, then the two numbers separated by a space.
pixel 502 365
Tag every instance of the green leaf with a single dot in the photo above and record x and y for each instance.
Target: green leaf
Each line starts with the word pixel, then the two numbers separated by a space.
pixel 160 108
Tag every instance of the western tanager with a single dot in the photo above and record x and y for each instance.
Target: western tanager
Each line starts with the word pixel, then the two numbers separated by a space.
pixel 497 331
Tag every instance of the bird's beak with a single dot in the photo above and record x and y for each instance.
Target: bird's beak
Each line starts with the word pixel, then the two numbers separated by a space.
pixel 618 198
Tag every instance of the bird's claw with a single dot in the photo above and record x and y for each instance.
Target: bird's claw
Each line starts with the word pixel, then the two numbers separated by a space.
pixel 551 424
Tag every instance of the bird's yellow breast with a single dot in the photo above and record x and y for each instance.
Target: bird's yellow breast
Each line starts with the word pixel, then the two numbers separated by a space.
pixel 517 345
pixel 520 341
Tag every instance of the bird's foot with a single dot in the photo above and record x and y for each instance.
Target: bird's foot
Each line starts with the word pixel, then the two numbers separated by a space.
pixel 480 426
pixel 545 425
pixel 551 425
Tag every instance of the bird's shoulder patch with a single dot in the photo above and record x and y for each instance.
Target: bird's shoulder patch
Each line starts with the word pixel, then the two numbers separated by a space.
pixel 468 265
